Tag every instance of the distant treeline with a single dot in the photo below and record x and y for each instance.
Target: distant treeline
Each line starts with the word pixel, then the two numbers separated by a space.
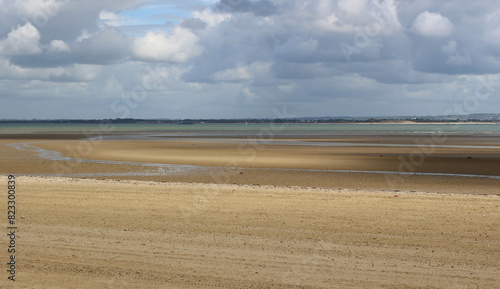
pixel 238 121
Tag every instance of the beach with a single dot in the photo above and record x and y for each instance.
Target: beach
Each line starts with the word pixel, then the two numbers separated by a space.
pixel 128 234
pixel 248 144
pixel 236 212
pixel 370 162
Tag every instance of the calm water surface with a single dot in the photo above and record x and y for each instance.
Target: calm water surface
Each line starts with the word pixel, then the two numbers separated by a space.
pixel 277 128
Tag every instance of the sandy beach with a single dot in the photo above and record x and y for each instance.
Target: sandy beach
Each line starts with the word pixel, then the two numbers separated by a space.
pixel 227 216
pixel 130 234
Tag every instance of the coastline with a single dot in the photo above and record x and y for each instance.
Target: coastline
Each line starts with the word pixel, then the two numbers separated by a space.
pixel 376 163
pixel 205 214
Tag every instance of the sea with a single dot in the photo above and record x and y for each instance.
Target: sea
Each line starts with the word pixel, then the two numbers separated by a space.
pixel 260 128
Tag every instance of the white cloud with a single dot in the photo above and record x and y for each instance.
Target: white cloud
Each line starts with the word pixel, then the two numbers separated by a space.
pixel 358 15
pixel 236 74
pixel 40 10
pixel 212 19
pixel 85 35
pixel 241 73
pixel 83 72
pixel 11 71
pixel 180 46
pixel 432 24
pixel 353 7
pixel 23 40
pixel 109 18
pixel 332 23
pixel 385 14
pixel 74 73
pixel 248 95
pixel 58 46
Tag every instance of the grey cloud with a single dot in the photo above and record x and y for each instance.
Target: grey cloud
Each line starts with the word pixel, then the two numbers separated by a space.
pixel 104 48
pixel 255 55
pixel 289 70
pixel 194 24
pixel 257 7
pixel 68 19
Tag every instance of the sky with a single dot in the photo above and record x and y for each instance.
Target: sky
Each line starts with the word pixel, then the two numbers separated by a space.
pixel 76 59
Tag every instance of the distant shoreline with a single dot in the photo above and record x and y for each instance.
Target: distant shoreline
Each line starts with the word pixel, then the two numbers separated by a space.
pixel 477 118
pixel 436 122
pixel 249 122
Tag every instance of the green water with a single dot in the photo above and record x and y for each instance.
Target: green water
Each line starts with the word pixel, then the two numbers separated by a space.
pixel 313 129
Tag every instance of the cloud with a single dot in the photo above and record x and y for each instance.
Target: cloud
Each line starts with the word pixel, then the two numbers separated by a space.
pixel 241 58
pixel 256 7
pixel 454 57
pixel 58 46
pixel 110 18
pixel 353 7
pixel 106 47
pixel 242 73
pixel 181 45
pixel 209 18
pixel 450 47
pixel 193 24
pixel 286 88
pixel 74 73
pixel 298 50
pixel 23 40
pixel 85 35
pixel 432 24
pixel 248 95
pixel 355 16
pixel 38 9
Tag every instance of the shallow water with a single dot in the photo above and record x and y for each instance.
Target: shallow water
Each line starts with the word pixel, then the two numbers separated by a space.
pixel 261 128
pixel 152 169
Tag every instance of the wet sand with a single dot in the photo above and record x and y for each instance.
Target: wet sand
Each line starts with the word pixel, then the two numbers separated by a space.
pixel 243 215
pixel 245 161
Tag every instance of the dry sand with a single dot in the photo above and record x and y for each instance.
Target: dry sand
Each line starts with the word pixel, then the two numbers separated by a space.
pixel 163 231
pixel 131 234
